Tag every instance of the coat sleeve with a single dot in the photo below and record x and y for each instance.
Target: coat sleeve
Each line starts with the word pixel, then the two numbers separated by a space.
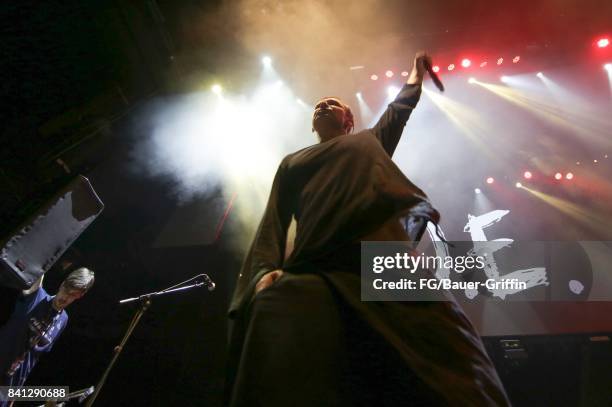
pixel 267 250
pixel 391 124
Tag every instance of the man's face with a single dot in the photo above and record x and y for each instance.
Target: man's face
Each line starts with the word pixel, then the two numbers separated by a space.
pixel 66 296
pixel 329 114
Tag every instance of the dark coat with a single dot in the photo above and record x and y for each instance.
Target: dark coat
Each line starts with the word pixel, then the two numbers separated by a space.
pixel 339 191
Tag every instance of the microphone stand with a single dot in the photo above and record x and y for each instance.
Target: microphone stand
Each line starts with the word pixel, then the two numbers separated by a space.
pixel 145 302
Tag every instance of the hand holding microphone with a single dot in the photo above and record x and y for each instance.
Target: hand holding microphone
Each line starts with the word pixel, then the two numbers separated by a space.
pixel 422 64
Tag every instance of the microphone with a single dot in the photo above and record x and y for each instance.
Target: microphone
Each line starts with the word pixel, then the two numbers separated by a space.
pixel 175 288
pixel 434 76
pixel 208 282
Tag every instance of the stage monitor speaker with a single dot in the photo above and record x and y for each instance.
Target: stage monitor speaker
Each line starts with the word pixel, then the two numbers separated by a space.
pixel 554 370
pixel 31 250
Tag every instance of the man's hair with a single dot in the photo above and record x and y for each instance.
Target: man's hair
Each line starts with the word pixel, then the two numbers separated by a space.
pixel 80 279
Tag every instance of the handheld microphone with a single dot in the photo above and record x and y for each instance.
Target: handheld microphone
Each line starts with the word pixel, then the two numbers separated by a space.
pixel 434 76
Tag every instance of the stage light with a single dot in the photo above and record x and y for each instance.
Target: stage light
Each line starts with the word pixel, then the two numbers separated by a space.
pixel 500 61
pixel 451 67
pixel 581 213
pixel 266 60
pixel 466 63
pixel 577 162
pixel 595 161
pixel 358 95
pixel 435 68
pixel 516 59
pixel 217 89
pixel 608 67
pixel 374 77
pixel 603 42
pixel 477 190
pixel 483 64
pixel 472 80
pixel 389 74
pixel 405 73
pixel 540 75
pixel 605 155
pixel 503 78
pixel 558 175
pixel 490 180
pixel 518 185
pixel 527 175
pixel 569 175
pixel 392 91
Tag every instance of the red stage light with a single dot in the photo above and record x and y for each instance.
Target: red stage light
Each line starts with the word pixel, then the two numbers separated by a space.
pixel 374 77
pixel 603 42
pixel 569 175
pixel 435 68
pixel 451 67
pixel 516 59
pixel 389 74
pixel 527 175
pixel 558 175
pixel 500 61
pixel 483 64
pixel 490 180
pixel 466 63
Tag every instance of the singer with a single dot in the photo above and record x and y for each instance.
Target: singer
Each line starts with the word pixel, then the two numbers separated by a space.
pixel 36 324
pixel 301 334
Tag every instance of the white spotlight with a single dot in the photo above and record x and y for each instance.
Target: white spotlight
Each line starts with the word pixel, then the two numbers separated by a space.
pixel 477 190
pixel 540 75
pixel 518 185
pixel 608 67
pixel 472 80
pixel 266 60
pixel 358 95
pixel 392 91
pixel 216 88
pixel 504 78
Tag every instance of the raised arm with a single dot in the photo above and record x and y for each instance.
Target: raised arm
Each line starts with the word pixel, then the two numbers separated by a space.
pixel 267 250
pixel 391 124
